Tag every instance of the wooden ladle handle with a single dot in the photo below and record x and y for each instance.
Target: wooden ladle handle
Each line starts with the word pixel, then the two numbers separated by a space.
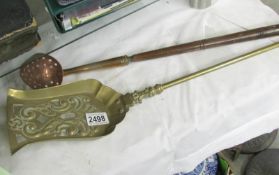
pixel 113 62
pixel 238 37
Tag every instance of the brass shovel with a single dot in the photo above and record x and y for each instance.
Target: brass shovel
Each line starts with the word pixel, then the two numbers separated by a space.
pixel 82 109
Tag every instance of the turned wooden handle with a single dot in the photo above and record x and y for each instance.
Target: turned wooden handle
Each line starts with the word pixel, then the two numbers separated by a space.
pixel 248 35
pixel 238 37
pixel 113 62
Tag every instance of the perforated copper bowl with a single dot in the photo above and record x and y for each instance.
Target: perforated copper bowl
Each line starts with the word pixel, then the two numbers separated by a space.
pixel 41 71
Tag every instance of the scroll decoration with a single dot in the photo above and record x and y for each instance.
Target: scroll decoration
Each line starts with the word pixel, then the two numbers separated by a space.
pixel 57 118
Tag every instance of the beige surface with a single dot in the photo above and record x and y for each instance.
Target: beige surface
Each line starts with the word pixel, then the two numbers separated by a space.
pixel 274 4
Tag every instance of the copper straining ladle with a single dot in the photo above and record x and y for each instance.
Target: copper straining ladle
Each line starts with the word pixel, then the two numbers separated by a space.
pixel 45 71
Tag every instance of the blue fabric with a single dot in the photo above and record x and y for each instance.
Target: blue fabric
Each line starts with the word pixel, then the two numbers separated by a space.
pixel 208 167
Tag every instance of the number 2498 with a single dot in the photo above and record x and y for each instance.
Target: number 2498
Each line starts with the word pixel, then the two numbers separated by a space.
pixel 97 119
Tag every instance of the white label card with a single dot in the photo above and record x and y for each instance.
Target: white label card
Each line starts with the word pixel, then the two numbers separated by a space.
pixel 97 118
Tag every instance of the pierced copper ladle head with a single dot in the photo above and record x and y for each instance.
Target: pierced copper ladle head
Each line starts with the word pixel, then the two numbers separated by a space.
pixel 41 71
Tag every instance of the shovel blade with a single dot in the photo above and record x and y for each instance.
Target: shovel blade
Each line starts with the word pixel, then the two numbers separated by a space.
pixel 77 110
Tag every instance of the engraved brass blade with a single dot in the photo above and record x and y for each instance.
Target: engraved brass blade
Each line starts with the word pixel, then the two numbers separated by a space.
pixel 60 112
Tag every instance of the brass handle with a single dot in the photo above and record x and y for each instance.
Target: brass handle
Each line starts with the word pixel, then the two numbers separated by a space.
pixel 221 65
pixel 136 97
